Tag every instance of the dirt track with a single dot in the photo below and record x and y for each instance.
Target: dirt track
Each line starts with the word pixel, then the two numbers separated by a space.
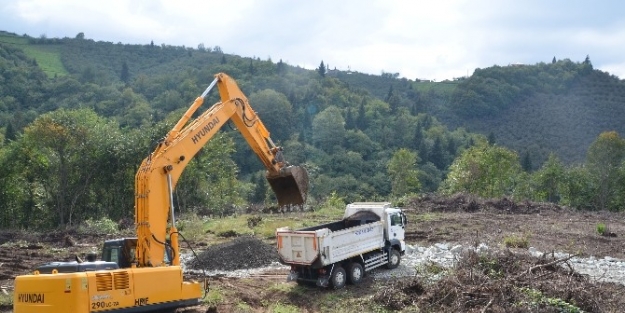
pixel 460 219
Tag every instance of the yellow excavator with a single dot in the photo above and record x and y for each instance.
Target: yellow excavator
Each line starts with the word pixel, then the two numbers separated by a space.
pixel 144 274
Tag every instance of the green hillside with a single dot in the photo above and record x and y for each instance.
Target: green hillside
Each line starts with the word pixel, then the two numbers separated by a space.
pixel 79 115
pixel 47 56
pixel 558 107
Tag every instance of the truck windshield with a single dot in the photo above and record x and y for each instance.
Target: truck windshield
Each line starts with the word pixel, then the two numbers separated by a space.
pixel 396 219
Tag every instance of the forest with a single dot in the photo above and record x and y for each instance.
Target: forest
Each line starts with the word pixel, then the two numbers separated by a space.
pixel 78 116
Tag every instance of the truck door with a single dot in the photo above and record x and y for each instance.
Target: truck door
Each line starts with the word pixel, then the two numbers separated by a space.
pixel 397 229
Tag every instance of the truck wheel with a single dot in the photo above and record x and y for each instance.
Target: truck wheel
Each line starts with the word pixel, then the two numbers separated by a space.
pixel 338 277
pixel 355 273
pixel 393 259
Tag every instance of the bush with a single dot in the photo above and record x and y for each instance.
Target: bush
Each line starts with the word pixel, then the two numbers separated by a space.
pixel 514 241
pixel 100 226
pixel 602 229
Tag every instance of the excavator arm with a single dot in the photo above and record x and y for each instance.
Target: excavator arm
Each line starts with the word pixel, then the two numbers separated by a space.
pixel 159 172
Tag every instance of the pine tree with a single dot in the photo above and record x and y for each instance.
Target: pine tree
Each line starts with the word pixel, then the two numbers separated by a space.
pixel 322 69
pixel 10 134
pixel 491 138
pixel 361 120
pixel 260 189
pixel 281 68
pixel 554 60
pixel 418 137
pixel 436 155
pixel 125 75
pixel 526 163
pixel 251 69
pixel 349 119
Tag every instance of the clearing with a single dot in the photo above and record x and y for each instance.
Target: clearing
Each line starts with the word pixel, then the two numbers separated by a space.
pixel 506 279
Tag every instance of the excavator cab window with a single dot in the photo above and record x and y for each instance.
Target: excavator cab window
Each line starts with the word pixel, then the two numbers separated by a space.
pixel 120 251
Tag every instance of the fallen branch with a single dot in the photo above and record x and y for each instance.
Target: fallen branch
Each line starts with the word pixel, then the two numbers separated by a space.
pixel 487 305
pixel 533 268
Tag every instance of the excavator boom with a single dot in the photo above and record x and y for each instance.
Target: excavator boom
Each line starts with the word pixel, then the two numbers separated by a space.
pixel 159 172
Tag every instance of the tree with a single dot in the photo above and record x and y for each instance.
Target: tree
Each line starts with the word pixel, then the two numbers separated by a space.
pixel 491 138
pixel 275 111
pixel 554 60
pixel 80 36
pixel 484 170
pixel 328 129
pixel 125 74
pixel 361 119
pixel 603 160
pixel 321 69
pixel 281 68
pixel 260 189
pixel 251 69
pixel 549 180
pixel 526 163
pixel 209 182
pixel 403 173
pixel 67 147
pixel 9 134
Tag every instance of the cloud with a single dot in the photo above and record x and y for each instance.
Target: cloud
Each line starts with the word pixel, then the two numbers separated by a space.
pixel 418 39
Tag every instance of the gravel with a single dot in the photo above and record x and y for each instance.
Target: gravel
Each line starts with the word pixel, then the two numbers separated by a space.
pixel 245 256
pixel 242 253
pixel 607 269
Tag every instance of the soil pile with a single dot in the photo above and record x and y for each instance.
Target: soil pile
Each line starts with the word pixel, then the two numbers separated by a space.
pixel 241 253
pixel 469 203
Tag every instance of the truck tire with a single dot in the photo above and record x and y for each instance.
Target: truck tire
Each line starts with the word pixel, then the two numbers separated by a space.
pixel 393 259
pixel 338 278
pixel 355 273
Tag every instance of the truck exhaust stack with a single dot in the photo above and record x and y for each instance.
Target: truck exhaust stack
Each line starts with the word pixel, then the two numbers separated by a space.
pixel 291 186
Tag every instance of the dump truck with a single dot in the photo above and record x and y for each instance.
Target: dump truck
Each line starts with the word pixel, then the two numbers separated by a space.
pixel 370 235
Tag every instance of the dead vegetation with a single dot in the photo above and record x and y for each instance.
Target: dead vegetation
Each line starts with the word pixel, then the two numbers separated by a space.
pixel 504 282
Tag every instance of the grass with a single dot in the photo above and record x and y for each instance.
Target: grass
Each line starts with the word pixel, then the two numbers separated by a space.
pixel 514 241
pixel 232 224
pixel 48 57
pixel 425 217
pixel 537 298
pixel 601 229
pixel 283 308
pixel 6 299
pixel 214 296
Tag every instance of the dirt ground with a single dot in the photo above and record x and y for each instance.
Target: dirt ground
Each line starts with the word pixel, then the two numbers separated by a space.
pixel 459 219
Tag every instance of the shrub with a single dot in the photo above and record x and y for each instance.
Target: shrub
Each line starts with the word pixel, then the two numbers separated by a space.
pixel 514 241
pixel 602 229
pixel 103 225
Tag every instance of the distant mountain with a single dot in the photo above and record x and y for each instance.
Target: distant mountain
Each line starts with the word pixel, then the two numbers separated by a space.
pixel 558 107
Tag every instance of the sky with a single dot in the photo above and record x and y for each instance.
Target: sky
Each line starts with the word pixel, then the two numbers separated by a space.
pixel 419 39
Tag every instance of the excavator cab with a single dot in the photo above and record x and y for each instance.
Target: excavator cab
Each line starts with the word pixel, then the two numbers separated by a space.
pixel 290 186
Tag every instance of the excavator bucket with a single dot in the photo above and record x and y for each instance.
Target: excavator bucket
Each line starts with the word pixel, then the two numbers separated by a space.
pixel 291 186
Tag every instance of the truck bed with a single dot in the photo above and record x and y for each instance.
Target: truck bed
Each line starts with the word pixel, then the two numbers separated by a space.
pixel 329 243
